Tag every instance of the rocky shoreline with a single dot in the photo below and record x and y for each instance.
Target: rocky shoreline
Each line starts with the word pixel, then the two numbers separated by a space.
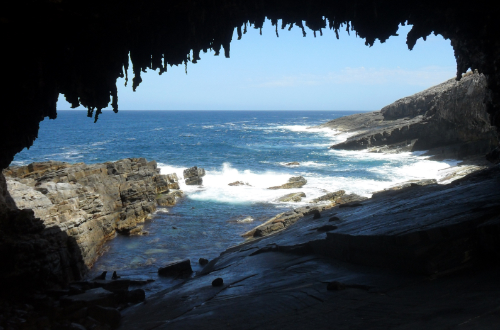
pixel 448 121
pixel 68 211
pixel 339 249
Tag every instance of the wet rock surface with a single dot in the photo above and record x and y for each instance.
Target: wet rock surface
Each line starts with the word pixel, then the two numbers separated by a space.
pixel 450 120
pixel 312 275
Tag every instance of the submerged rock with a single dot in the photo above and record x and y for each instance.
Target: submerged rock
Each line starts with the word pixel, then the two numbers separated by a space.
pixel 293 182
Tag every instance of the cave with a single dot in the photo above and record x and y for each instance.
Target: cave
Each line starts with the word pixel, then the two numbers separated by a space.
pixel 79 49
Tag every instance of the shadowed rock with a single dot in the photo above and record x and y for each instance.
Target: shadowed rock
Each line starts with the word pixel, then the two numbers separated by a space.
pixel 176 268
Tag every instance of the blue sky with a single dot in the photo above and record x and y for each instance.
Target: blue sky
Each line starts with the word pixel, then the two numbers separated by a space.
pixel 295 73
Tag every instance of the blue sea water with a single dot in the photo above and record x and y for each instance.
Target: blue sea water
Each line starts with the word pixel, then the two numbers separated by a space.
pixel 248 146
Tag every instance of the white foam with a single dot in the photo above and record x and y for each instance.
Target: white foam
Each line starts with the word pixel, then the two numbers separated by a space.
pixel 333 135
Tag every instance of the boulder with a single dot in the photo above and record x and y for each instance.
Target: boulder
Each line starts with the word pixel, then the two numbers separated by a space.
pixel 293 197
pixel 193 175
pixel 293 182
pixel 176 268
pixel 292 164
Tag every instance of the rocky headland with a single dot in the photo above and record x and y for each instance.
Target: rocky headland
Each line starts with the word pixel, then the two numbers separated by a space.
pixel 448 120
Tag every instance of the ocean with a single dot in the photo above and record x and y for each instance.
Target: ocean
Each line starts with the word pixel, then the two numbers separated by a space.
pixel 248 146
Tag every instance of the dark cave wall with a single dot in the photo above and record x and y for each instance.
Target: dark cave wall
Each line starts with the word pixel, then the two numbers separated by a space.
pixel 79 48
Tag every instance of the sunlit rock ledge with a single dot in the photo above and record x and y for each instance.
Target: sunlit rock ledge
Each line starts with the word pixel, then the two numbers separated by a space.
pixel 75 209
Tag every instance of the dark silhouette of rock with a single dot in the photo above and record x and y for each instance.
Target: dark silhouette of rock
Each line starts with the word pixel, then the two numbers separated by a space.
pixel 203 261
pixel 176 268
pixel 115 276
pixel 102 276
pixel 105 315
pixel 316 214
pixel 218 282
pixel 335 286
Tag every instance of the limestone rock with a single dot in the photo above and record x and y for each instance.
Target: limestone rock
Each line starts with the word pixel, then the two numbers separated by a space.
pixel 293 197
pixel 330 197
pixel 193 175
pixel 293 182
pixel 449 120
pixel 80 206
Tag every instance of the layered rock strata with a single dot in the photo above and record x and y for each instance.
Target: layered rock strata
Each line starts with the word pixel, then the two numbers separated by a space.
pixel 293 182
pixel 74 209
pixel 193 176
pixel 450 120
pixel 286 219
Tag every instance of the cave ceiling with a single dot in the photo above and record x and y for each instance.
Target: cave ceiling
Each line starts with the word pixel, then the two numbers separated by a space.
pixel 79 48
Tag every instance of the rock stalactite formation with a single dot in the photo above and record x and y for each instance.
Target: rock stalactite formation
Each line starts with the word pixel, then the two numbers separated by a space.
pixel 56 216
pixel 79 48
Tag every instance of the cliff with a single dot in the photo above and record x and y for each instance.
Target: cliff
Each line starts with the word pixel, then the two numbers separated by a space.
pixel 450 120
pixel 59 215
